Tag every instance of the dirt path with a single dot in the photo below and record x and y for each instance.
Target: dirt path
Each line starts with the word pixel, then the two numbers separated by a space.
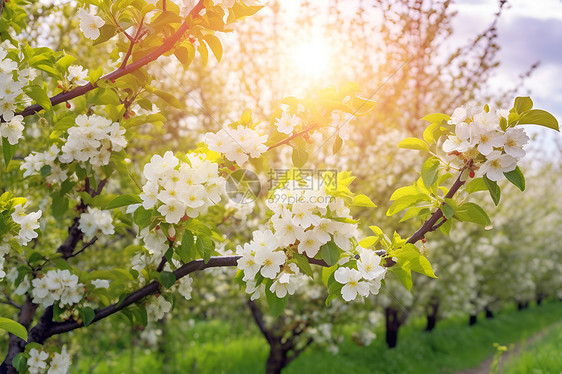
pixel 513 351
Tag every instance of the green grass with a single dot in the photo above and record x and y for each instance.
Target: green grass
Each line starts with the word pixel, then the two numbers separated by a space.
pixel 221 347
pixel 543 356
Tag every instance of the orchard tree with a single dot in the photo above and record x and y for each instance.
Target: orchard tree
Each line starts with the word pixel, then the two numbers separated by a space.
pixel 75 177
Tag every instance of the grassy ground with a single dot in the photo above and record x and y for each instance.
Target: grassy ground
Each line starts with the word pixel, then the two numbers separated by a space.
pixel 219 347
pixel 543 356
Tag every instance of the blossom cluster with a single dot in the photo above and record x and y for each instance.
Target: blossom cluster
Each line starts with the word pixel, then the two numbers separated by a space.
pixel 177 188
pixel 302 227
pixel 40 360
pixel 28 224
pixel 35 161
pixel 478 133
pixel 92 140
pixel 94 221
pixel 364 280
pixel 57 285
pixel 25 224
pixel 237 144
pixel 12 82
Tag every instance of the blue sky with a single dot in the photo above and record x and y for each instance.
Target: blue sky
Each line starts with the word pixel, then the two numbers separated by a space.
pixel 529 31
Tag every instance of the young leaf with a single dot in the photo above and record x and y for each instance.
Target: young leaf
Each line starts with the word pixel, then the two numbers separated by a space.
pixel 448 211
pixel 124 200
pixel 303 264
pixel 186 250
pixel 300 156
pixel 8 151
pixel 523 104
pixel 516 177
pixel 276 305
pixel 430 172
pixel 330 253
pixel 215 45
pixel 476 185
pixel 88 315
pixel 363 200
pixel 142 217
pixel 414 143
pixel 167 278
pixel 539 117
pixel 472 212
pixel 494 189
pixel 39 95
pixel 13 327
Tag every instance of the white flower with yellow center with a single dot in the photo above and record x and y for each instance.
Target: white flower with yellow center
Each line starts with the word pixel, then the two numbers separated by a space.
pixel 353 286
pixel 90 24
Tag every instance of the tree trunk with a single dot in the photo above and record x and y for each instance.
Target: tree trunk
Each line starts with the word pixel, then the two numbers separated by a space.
pixel 472 319
pixel 432 316
pixel 540 298
pixel 277 358
pixel 393 322
pixel 520 306
pixel 489 313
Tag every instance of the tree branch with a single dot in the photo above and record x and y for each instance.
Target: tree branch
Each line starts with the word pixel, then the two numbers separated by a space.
pixel 79 91
pixel 296 135
pixel 430 224
pixel 258 317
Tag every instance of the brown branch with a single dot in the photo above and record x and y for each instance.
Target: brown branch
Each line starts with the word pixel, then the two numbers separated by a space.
pixel 134 41
pixel 296 135
pixel 430 224
pixel 258 318
pixel 79 91
pixel 91 242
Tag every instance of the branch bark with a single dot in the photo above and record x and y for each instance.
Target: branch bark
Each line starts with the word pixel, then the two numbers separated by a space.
pixel 431 223
pixel 121 71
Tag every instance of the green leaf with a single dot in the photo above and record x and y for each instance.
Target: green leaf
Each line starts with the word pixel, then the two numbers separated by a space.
pixel 124 200
pixel 404 275
pixel 338 143
pixel 414 143
pixel 448 211
pixel 186 250
pixel 334 290
pixel 205 247
pixel 406 202
pixel 516 177
pixel 330 253
pixel 523 104
pixel 168 98
pixel 472 212
pixel 167 278
pixel 39 95
pixel 88 315
pixel 8 150
pixel 142 217
pixel 430 172
pixel 303 264
pixel 437 118
pixel 276 305
pixel 96 74
pixel 20 362
pixel 494 189
pixel 65 61
pixel 13 327
pixel 215 45
pixel 363 200
pixel 476 185
pixel 300 156
pixel 539 117
pixel 409 257
pixel 368 241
